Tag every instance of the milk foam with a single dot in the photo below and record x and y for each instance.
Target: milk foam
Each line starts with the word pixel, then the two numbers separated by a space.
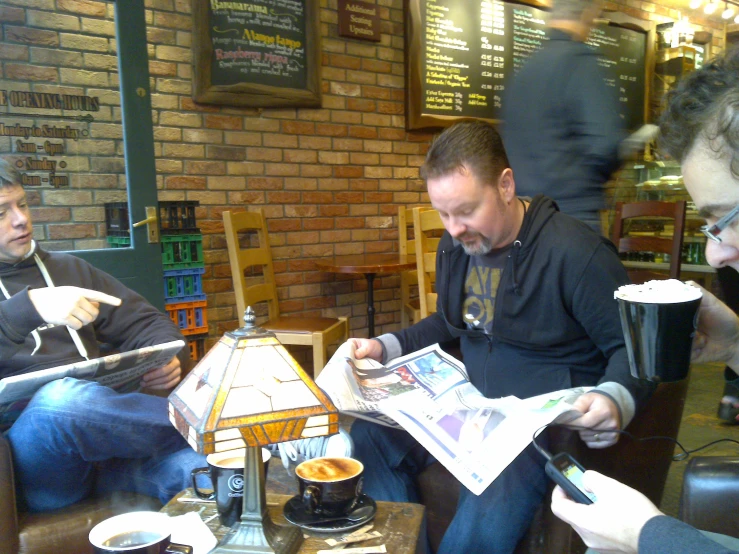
pixel 668 291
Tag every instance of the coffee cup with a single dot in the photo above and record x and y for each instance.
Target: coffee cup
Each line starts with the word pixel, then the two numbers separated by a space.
pixel 659 319
pixel 226 470
pixel 330 486
pixel 136 533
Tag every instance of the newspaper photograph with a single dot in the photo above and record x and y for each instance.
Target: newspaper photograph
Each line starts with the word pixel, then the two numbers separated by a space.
pixel 121 372
pixel 428 394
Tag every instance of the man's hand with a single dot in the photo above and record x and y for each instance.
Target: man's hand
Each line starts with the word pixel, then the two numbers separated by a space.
pixel 71 306
pixel 367 348
pixel 165 377
pixel 717 339
pixel 614 521
pixel 600 413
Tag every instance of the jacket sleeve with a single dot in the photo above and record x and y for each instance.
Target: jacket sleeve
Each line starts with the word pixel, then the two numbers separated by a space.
pixel 18 318
pixel 666 535
pixel 601 278
pixel 135 323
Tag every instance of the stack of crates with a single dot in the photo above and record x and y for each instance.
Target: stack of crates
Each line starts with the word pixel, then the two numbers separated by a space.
pixel 182 258
pixel 182 261
pixel 117 231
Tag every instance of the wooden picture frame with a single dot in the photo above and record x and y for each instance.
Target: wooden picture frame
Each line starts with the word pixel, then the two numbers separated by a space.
pixel 250 92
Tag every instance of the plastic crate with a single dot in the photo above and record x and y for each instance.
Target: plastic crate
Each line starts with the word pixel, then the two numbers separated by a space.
pixel 197 348
pixel 178 218
pixel 118 242
pixel 182 251
pixel 190 317
pixel 116 219
pixel 184 285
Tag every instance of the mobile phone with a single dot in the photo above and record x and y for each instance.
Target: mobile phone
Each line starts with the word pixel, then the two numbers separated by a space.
pixel 564 470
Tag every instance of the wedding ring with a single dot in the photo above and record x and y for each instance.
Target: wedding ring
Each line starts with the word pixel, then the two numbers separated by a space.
pixel 596 437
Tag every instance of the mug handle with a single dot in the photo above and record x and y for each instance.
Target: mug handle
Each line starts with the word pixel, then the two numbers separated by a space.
pixel 175 548
pixel 311 495
pixel 194 473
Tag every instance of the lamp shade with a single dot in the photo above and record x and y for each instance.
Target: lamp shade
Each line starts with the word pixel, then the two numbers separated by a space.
pixel 249 391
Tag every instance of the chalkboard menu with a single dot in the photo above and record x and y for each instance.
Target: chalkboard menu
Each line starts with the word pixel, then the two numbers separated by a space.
pixel 459 59
pixel 257 53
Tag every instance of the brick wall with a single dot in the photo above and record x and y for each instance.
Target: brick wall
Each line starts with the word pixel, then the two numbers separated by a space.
pixel 329 180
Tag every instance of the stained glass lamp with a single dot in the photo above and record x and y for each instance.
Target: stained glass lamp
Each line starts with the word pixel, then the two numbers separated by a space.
pixel 248 391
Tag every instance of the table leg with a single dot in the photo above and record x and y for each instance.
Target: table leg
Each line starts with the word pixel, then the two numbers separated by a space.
pixel 371 303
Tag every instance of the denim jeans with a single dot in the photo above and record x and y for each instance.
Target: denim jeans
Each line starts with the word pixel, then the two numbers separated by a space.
pixel 77 439
pixel 491 523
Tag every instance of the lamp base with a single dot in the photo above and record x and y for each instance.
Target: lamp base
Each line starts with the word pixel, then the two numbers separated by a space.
pixel 261 537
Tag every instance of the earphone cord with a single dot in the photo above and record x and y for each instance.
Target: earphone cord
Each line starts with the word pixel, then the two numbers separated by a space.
pixel 677 457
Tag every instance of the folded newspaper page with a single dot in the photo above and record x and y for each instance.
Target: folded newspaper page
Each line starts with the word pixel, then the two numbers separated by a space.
pixel 428 394
pixel 121 372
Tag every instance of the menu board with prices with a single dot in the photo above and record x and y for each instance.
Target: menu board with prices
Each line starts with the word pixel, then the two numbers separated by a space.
pixel 257 53
pixel 460 59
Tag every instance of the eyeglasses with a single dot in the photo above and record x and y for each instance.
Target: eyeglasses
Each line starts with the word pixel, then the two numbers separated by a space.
pixel 714 230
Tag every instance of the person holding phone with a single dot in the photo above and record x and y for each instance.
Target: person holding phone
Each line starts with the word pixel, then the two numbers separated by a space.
pixel 700 128
pixel 57 309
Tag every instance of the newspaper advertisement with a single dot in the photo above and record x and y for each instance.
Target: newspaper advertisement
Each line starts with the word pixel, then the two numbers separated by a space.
pixel 121 372
pixel 428 394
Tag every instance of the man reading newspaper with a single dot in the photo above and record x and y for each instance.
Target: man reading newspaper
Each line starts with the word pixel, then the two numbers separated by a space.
pixel 75 437
pixel 528 291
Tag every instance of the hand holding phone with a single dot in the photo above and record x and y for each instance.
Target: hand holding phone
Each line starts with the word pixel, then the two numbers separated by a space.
pixel 564 470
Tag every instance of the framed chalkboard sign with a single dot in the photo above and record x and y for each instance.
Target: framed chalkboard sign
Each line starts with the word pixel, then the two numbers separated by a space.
pixel 458 60
pixel 261 53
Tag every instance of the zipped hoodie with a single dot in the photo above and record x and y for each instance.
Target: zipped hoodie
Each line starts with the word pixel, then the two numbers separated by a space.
pixel 134 324
pixel 556 324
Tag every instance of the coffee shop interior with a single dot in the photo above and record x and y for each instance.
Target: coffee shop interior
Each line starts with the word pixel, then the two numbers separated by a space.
pixel 155 145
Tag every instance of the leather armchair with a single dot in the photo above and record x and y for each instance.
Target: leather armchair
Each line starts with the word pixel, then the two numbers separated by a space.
pixel 710 495
pixel 62 531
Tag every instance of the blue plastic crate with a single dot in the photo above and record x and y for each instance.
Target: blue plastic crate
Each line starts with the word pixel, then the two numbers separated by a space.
pixel 184 285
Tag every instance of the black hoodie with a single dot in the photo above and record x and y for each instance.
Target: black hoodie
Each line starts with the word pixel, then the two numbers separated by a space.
pixel 556 322
pixel 134 324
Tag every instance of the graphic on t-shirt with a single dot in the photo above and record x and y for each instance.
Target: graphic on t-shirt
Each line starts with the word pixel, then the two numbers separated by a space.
pixel 481 287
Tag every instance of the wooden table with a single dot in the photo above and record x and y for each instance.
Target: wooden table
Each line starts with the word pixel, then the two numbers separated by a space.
pixel 369 265
pixel 399 523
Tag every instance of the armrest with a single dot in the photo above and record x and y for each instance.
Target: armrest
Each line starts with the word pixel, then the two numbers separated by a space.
pixel 8 515
pixel 710 496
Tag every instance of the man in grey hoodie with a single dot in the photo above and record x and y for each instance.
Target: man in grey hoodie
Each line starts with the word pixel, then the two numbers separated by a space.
pixel 57 309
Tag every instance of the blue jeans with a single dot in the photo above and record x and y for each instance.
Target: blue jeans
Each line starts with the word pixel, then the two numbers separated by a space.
pixel 492 523
pixel 77 438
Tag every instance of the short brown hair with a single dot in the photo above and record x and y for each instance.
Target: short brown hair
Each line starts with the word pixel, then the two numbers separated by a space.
pixel 474 145
pixel 9 175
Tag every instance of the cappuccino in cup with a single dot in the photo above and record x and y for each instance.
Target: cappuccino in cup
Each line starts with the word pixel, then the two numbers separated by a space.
pixel 330 486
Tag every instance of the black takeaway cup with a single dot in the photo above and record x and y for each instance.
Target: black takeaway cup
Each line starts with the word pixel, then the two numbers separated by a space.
pixel 226 470
pixel 659 319
pixel 136 533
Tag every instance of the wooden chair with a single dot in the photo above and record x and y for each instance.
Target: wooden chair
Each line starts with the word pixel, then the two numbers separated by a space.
pixel 410 310
pixel 317 332
pixel 427 230
pixel 672 246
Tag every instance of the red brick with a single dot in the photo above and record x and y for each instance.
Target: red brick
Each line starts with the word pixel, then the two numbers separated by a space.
pixel 283 197
pixel 318 197
pixel 264 183
pixel 298 127
pixel 12 15
pixel 185 182
pixel 331 129
pixel 346 62
pixel 363 132
pixel 348 171
pixel 376 66
pixel 349 197
pixel 76 231
pixel 45 215
pixel 205 167
pixel 379 93
pixel 350 222
pixel 391 107
pixel 30 72
pixel 231 123
pixel 318 223
pixel 14 52
pixel 82 7
pixel 360 104
pixel 31 36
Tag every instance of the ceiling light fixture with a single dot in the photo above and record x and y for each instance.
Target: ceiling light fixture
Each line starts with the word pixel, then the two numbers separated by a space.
pixel 710 7
pixel 728 12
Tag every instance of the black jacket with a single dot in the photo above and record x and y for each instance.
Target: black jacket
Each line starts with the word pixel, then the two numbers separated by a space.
pixel 556 321
pixel 562 128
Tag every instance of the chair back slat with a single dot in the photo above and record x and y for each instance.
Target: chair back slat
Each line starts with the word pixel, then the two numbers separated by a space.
pixel 654 210
pixel 257 258
pixel 427 227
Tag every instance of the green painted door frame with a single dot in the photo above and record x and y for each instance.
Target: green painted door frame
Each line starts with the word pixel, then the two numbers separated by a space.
pixel 139 267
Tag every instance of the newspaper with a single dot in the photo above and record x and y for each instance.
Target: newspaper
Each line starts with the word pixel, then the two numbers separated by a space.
pixel 121 372
pixel 428 394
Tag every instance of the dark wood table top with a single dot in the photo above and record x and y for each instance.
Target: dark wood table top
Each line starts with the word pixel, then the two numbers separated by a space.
pixel 367 263
pixel 398 522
